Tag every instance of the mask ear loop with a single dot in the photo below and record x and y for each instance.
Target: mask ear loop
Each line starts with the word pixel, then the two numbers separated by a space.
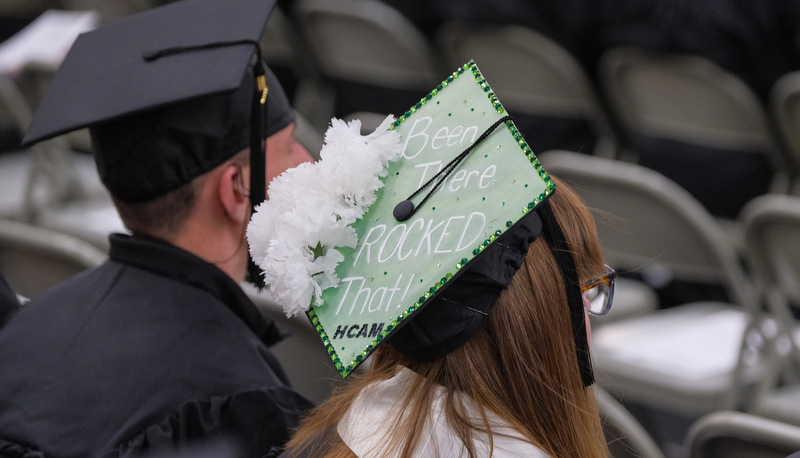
pixel 560 248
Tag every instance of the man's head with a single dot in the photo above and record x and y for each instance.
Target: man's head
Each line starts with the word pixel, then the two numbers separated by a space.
pixel 178 88
pixel 170 96
pixel 153 163
pixel 145 155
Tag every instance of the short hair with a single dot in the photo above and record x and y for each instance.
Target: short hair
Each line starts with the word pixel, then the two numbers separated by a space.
pixel 163 216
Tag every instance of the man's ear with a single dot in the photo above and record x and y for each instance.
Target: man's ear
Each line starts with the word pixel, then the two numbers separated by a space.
pixel 232 193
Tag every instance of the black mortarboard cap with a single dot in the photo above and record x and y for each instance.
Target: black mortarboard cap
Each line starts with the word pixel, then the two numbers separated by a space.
pixel 106 74
pixel 191 66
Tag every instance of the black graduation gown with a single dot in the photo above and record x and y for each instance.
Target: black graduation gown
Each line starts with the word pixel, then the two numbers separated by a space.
pixel 153 350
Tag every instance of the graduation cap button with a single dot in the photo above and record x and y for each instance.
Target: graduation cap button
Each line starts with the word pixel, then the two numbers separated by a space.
pixel 403 210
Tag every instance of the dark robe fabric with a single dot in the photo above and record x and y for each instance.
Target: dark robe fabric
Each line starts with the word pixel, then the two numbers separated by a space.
pixel 9 302
pixel 154 351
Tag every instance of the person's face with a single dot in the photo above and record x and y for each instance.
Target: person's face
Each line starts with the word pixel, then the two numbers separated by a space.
pixel 284 152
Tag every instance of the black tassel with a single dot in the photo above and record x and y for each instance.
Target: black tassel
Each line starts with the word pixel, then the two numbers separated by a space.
pixel 258 166
pixel 558 244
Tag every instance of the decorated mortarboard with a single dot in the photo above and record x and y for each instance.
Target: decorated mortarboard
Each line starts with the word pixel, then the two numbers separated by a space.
pixel 372 234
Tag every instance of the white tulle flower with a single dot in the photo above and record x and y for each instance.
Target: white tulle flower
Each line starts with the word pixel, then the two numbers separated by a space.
pixel 293 236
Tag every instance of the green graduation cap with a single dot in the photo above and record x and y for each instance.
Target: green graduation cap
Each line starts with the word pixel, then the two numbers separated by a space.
pixel 446 180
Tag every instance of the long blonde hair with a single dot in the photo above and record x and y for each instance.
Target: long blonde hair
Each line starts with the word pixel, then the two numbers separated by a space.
pixel 520 365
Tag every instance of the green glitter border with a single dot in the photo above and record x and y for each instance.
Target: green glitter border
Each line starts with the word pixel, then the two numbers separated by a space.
pixel 345 370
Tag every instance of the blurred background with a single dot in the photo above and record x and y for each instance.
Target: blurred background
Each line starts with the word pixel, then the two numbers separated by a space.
pixel 677 121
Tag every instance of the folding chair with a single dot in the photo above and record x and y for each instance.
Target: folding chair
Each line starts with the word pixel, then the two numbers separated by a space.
pixel 785 110
pixel 550 95
pixel 46 171
pixel 34 54
pixel 288 55
pixel 728 434
pixel 696 123
pixel 33 258
pixel 51 185
pixel 625 436
pixel 687 358
pixel 772 234
pixel 373 56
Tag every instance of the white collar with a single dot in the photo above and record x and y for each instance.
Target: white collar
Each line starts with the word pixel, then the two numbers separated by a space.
pixel 366 425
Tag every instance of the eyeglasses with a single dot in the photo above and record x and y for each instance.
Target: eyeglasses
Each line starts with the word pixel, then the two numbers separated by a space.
pixel 598 293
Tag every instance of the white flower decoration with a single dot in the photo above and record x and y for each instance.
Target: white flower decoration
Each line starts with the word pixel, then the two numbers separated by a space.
pixel 294 234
